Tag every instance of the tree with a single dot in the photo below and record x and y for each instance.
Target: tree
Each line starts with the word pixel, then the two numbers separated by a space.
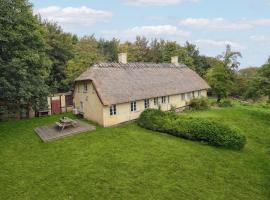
pixel 264 72
pixel 24 65
pixel 219 78
pixel 230 58
pixel 60 51
pixel 86 53
pixel 109 49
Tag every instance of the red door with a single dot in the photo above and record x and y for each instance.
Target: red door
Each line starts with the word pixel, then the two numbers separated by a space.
pixel 56 107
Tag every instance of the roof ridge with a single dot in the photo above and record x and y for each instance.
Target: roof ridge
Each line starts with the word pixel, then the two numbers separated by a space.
pixel 137 65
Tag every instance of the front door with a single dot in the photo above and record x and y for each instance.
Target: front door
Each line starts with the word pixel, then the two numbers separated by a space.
pixel 56 107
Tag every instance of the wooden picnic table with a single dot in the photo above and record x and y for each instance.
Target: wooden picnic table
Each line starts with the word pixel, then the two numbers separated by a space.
pixel 66 122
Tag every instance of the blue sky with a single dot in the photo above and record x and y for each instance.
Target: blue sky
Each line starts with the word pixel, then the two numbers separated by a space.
pixel 210 24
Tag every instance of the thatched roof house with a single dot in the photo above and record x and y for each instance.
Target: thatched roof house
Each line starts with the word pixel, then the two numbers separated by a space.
pixel 118 86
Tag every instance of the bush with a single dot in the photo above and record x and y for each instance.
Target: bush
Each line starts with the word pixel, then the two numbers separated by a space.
pixel 199 104
pixel 225 103
pixel 204 130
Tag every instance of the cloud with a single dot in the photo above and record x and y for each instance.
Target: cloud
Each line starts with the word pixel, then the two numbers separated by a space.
pixel 147 31
pixel 221 23
pixel 260 39
pixel 219 43
pixel 157 2
pixel 74 16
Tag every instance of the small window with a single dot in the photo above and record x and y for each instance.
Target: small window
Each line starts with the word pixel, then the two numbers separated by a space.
pixel 146 103
pixel 133 106
pixel 85 87
pixel 163 99
pixel 188 96
pixel 113 110
pixel 155 101
pixel 183 97
pixel 81 105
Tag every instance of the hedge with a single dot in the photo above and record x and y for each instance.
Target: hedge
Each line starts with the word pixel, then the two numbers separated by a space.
pixel 209 131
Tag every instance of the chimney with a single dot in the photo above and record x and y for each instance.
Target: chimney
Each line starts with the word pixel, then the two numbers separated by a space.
pixel 122 58
pixel 174 60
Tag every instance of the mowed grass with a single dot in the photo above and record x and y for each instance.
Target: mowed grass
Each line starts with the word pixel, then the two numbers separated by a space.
pixel 128 162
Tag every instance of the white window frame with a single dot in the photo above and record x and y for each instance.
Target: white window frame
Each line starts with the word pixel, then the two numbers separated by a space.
pixel 85 87
pixel 156 101
pixel 183 97
pixel 163 100
pixel 146 103
pixel 113 110
pixel 133 106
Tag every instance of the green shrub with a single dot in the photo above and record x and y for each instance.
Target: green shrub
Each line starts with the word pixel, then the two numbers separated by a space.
pixel 209 131
pixel 225 103
pixel 199 104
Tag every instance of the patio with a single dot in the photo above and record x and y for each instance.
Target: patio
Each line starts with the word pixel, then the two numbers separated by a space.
pixel 52 132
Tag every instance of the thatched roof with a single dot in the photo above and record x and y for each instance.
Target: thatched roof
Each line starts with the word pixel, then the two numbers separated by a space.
pixel 119 83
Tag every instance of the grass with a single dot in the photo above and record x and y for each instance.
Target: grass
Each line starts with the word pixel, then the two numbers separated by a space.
pixel 128 162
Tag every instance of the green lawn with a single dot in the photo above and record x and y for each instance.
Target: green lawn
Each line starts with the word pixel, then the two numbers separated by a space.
pixel 128 162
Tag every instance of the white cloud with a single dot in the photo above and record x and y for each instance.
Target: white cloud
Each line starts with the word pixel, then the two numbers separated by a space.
pixel 157 2
pixel 219 43
pixel 147 31
pixel 221 23
pixel 74 16
pixel 260 39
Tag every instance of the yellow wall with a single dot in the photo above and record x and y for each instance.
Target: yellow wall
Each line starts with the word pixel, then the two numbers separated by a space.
pixel 123 112
pixel 94 110
pixel 92 107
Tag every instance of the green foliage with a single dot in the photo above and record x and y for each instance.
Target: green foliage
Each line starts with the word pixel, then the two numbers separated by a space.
pixel 220 80
pixel 24 64
pixel 60 51
pixel 199 103
pixel 208 131
pixel 225 103
pixel 86 53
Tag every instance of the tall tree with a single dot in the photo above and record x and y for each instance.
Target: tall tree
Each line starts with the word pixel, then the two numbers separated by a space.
pixel 264 72
pixel 219 78
pixel 109 49
pixel 230 58
pixel 86 53
pixel 60 51
pixel 24 65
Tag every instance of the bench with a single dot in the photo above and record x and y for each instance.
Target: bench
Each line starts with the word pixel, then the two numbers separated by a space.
pixel 59 125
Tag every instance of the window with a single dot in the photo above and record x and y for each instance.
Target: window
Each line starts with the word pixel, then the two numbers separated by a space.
pixel 113 110
pixel 199 93
pixel 183 97
pixel 188 96
pixel 163 99
pixel 133 106
pixel 81 104
pixel 85 87
pixel 146 103
pixel 155 101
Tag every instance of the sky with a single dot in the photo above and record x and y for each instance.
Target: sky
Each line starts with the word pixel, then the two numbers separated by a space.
pixel 210 24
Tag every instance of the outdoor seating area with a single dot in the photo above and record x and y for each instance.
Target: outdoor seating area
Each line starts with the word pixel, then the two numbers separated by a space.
pixel 63 128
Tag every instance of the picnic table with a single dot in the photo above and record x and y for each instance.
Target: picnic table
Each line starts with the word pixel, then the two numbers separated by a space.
pixel 66 122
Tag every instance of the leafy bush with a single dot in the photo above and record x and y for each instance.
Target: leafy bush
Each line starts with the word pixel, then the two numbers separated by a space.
pixel 208 131
pixel 199 104
pixel 225 103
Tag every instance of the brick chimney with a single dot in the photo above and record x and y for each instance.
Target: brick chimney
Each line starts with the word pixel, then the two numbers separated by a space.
pixel 122 58
pixel 174 60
